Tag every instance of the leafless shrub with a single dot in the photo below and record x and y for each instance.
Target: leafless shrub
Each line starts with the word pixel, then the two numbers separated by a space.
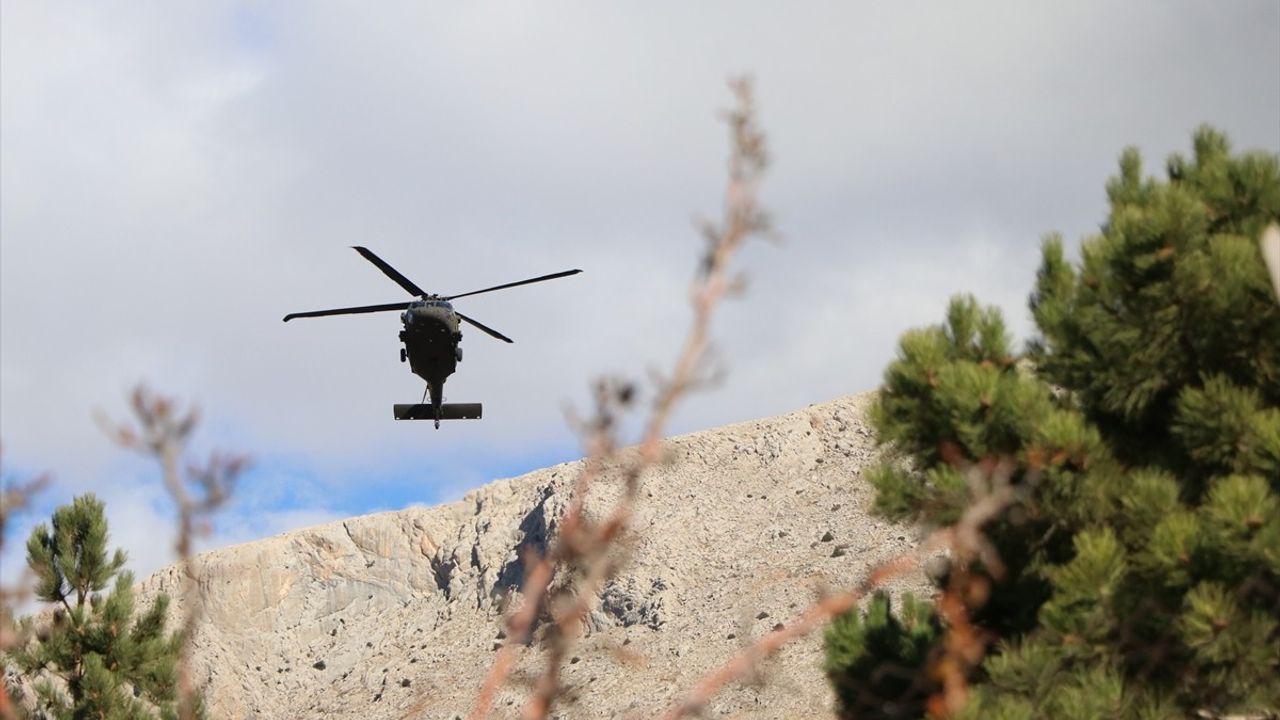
pixel 161 430
pixel 582 551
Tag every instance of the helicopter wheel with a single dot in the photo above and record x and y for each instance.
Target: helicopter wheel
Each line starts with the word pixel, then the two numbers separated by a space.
pixel 403 355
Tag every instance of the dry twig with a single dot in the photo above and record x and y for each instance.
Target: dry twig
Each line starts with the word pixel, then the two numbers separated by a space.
pixel 583 548
pixel 1270 244
pixel 815 616
pixel 162 432
pixel 14 497
pixel 993 490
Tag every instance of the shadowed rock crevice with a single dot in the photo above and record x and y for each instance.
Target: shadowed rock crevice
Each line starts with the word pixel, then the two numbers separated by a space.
pixel 443 572
pixel 535 531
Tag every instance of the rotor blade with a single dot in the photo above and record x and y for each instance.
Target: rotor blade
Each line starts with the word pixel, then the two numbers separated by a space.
pixel 349 310
pixel 389 271
pixel 485 328
pixel 552 276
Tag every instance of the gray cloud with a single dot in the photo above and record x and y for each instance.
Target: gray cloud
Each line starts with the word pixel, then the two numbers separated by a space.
pixel 175 179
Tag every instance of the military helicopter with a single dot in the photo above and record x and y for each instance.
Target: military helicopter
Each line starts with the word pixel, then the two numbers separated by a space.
pixel 431 335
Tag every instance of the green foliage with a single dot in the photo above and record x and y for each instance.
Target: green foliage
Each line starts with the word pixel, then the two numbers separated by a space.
pixel 878 663
pixel 1174 292
pixel 1142 558
pixel 71 559
pixel 97 657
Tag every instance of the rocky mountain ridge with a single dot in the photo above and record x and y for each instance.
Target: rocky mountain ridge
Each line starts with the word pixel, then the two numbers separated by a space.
pixel 398 614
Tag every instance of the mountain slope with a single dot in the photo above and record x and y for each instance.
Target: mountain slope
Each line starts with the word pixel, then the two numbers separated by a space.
pixel 398 614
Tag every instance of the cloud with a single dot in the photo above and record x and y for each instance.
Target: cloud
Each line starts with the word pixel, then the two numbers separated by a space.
pixel 175 179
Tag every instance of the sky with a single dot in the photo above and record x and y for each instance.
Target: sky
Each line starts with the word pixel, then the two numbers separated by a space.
pixel 175 177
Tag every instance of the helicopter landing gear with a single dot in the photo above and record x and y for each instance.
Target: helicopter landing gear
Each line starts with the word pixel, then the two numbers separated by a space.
pixel 403 355
pixel 457 352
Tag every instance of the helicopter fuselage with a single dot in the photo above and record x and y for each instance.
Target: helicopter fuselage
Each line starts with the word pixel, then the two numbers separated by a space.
pixel 431 336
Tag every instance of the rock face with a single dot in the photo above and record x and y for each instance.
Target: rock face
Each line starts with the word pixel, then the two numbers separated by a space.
pixel 398 614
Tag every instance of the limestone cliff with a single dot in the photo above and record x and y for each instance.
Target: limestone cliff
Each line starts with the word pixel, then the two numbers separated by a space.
pixel 398 614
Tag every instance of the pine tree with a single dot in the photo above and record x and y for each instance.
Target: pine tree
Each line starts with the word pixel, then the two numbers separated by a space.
pixel 95 659
pixel 1141 557
pixel 883 656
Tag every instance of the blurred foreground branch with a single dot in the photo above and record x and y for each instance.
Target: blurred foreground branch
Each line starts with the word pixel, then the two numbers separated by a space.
pixel 583 548
pixel 162 431
pixel 993 491
pixel 14 498
pixel 1271 254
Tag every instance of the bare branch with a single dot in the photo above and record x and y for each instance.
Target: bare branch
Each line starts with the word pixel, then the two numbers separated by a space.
pixel 14 497
pixel 963 647
pixel 1270 243
pixel 583 549
pixel 162 432
pixel 822 611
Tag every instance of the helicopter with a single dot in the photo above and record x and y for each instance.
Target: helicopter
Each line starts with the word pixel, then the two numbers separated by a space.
pixel 431 335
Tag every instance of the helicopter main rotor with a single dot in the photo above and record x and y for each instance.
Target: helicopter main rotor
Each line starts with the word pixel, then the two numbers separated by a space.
pixel 413 289
pixel 389 271
pixel 349 310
